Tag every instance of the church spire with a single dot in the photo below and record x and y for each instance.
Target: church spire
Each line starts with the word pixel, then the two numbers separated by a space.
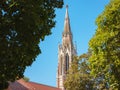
pixel 67 34
pixel 66 15
pixel 67 29
pixel 66 52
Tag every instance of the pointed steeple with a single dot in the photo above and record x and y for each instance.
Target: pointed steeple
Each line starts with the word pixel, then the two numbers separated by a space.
pixel 66 52
pixel 67 29
pixel 66 15
pixel 67 34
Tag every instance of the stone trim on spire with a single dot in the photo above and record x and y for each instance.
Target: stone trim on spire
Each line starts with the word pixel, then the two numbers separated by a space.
pixel 67 28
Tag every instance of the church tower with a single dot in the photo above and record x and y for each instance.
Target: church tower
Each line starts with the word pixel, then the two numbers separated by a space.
pixel 66 51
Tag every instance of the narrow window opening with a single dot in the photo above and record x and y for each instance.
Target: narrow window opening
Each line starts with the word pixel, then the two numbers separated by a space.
pixel 67 62
pixel 61 65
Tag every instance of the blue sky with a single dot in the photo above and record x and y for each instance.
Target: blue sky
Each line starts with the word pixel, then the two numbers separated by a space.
pixel 83 14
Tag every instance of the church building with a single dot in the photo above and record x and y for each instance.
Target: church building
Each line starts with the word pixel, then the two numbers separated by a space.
pixel 66 52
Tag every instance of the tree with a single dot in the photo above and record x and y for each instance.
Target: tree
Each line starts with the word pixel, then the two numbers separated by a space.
pixel 79 74
pixel 105 46
pixel 26 79
pixel 23 24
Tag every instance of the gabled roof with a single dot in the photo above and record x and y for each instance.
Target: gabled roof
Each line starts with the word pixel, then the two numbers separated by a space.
pixel 23 85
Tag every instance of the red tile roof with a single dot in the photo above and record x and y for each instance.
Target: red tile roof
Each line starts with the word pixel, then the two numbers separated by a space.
pixel 23 85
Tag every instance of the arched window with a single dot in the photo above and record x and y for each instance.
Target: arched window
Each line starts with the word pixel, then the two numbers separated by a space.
pixel 61 65
pixel 67 62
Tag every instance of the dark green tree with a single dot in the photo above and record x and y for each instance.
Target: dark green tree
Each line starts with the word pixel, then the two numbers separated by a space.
pixel 79 74
pixel 105 46
pixel 23 24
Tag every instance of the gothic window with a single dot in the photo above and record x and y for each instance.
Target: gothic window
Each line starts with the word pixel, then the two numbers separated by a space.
pixel 61 65
pixel 67 62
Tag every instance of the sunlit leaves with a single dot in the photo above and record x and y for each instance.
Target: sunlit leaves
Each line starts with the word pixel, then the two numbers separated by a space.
pixel 79 74
pixel 105 45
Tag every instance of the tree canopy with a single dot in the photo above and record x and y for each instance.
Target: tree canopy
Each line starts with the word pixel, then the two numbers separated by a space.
pixel 105 46
pixel 103 64
pixel 79 77
pixel 23 24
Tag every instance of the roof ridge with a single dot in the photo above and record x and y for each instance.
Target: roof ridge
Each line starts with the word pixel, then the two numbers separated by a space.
pixel 42 84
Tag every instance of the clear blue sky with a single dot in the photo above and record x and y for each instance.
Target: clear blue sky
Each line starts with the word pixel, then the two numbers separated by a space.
pixel 83 14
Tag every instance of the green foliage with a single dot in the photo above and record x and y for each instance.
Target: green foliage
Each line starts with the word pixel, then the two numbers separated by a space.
pixel 105 46
pixel 26 79
pixel 23 24
pixel 79 74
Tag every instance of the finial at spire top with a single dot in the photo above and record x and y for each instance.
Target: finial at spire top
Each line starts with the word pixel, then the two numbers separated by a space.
pixel 66 16
pixel 66 6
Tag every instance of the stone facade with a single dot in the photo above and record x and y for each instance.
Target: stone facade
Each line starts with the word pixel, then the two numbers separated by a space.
pixel 66 52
